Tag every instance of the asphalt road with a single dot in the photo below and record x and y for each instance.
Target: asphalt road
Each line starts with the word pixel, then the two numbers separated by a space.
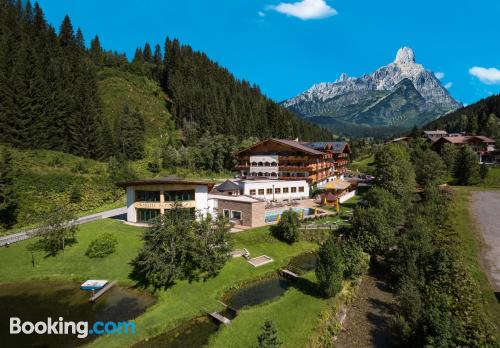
pixel 17 237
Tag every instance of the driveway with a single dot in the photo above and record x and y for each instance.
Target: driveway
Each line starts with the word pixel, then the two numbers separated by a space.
pixel 486 209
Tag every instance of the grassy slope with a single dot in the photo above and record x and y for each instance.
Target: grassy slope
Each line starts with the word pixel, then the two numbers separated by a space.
pixel 364 164
pixel 467 229
pixel 46 177
pixel 118 88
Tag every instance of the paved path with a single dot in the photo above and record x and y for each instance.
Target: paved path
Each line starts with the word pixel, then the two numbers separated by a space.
pixel 366 323
pixel 486 209
pixel 17 237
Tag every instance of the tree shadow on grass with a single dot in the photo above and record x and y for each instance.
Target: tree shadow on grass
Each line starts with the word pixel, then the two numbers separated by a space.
pixel 308 287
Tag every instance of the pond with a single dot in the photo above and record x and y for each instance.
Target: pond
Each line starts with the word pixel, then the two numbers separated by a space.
pixel 197 332
pixel 37 301
pixel 193 333
pixel 258 292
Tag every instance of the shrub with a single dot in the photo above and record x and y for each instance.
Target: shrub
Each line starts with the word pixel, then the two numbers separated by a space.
pixel 330 268
pixel 287 228
pixel 102 246
pixel 75 196
pixel 154 167
pixel 355 260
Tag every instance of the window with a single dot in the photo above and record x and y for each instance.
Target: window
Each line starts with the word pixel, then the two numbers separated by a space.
pixel 252 192
pixel 301 189
pixel 261 191
pixel 147 196
pixel 294 189
pixel 277 190
pixel 145 215
pixel 285 189
pixel 225 212
pixel 189 213
pixel 269 191
pixel 185 195
pixel 235 214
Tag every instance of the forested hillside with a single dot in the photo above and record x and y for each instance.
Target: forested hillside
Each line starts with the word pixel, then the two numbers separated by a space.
pixel 481 118
pixel 50 98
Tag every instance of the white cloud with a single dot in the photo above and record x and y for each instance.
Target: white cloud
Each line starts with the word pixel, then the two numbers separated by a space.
pixel 261 14
pixel 306 9
pixel 489 76
pixel 439 75
pixel 448 85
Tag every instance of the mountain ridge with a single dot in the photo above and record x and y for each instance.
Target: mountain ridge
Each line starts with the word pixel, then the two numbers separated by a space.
pixel 350 99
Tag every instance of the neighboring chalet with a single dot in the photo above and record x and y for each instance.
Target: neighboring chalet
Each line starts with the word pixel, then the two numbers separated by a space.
pixel 483 146
pixel 293 160
pixel 435 135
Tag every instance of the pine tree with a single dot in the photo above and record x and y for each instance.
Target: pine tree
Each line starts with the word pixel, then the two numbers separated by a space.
pixel 268 338
pixel 330 267
pixel 8 197
pixel 147 54
pixel 66 34
pixel 467 167
pixel 96 52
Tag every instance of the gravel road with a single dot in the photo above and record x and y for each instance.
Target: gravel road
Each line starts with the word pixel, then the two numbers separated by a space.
pixel 486 209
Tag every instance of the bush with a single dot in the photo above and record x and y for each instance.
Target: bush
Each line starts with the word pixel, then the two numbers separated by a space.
pixel 153 167
pixel 355 260
pixel 287 228
pixel 102 246
pixel 75 196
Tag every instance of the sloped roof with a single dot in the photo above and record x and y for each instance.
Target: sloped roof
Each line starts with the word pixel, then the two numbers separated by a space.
pixel 464 139
pixel 432 132
pixel 164 180
pixel 337 184
pixel 292 143
pixel 337 146
pixel 485 139
pixel 227 185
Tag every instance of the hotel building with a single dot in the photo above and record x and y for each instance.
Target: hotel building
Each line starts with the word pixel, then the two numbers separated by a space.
pixel 291 160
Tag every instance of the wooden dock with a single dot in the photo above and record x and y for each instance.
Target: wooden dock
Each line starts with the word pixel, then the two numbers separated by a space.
pixel 101 292
pixel 219 317
pixel 290 274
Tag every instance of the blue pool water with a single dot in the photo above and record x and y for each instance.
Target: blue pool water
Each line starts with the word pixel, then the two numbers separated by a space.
pixel 272 216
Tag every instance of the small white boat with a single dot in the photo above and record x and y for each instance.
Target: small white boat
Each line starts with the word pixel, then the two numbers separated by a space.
pixel 93 284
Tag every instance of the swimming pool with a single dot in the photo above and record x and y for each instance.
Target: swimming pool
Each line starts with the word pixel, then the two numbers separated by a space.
pixel 272 216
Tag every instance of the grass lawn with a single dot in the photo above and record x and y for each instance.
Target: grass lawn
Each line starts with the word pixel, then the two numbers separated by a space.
pixel 295 315
pixel 364 165
pixel 181 302
pixel 466 228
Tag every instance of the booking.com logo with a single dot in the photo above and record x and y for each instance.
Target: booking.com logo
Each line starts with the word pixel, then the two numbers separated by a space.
pixel 61 327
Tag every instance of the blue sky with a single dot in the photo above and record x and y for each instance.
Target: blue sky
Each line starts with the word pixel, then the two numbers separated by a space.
pixel 286 46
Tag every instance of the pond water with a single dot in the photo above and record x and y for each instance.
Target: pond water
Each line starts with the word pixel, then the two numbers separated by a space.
pixel 37 301
pixel 258 292
pixel 193 333
pixel 304 262
pixel 196 333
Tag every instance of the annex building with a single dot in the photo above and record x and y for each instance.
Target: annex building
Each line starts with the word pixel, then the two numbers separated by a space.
pixel 148 198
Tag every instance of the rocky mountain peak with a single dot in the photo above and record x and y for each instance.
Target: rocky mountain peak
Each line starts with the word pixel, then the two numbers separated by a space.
pixel 343 77
pixel 405 56
pixel 401 93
